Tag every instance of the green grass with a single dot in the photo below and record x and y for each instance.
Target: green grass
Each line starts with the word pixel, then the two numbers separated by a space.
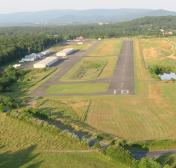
pixel 46 77
pixel 87 69
pixel 63 108
pixel 168 92
pixel 91 69
pixel 101 64
pixel 148 115
pixel 24 145
pixel 35 76
pixel 159 51
pixel 108 47
pixel 31 80
pixel 23 135
pixel 83 88
pixel 24 159
pixel 86 160
pixel 76 46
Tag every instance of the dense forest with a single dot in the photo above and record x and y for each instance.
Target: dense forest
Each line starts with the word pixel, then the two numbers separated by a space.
pixel 15 42
pixel 14 46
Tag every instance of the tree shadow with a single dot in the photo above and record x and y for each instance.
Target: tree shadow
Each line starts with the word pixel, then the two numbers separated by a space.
pixel 80 134
pixel 137 150
pixel 19 158
pixel 53 113
pixel 167 158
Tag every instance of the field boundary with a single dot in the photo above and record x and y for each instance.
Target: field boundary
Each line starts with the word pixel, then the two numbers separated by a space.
pixel 84 118
pixel 70 151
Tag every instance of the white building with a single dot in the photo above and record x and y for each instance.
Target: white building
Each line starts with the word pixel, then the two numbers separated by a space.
pixel 80 43
pixel 46 52
pixel 65 52
pixel 30 58
pixel 47 62
pixel 33 57
pixel 17 65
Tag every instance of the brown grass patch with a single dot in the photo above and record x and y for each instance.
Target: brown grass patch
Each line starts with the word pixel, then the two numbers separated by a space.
pixel 150 53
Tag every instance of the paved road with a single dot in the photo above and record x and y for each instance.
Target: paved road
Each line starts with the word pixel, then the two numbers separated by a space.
pixel 123 79
pixel 153 154
pixel 64 67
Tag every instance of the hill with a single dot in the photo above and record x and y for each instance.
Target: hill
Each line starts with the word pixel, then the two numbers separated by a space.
pixel 59 17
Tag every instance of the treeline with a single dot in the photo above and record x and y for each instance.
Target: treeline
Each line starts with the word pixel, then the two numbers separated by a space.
pixel 8 77
pixel 16 45
pixel 15 42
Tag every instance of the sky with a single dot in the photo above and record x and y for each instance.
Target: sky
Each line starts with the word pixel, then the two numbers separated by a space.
pixel 10 6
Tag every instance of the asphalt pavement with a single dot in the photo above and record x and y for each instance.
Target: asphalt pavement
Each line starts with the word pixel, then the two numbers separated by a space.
pixel 122 82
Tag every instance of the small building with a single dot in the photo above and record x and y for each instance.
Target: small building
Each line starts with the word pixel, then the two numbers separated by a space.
pixel 78 39
pixel 65 52
pixel 169 33
pixel 21 61
pixel 30 58
pixel 33 57
pixel 47 62
pixel 45 53
pixel 80 43
pixel 17 65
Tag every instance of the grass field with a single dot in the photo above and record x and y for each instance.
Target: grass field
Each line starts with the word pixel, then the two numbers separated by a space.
pixel 91 69
pixel 108 47
pixel 100 66
pixel 83 88
pixel 87 69
pixel 76 46
pixel 65 108
pixel 30 146
pixel 159 51
pixel 150 114
pixel 31 80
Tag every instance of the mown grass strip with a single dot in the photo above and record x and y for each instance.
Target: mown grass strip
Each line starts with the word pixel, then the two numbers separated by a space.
pixel 86 88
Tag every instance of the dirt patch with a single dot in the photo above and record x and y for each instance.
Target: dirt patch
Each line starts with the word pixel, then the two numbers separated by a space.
pixel 150 53
pixel 166 45
pixel 172 57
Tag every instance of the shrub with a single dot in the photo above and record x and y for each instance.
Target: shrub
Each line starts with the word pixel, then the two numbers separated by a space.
pixel 36 113
pixel 9 76
pixel 159 69
pixel 7 103
pixel 148 163
pixel 119 154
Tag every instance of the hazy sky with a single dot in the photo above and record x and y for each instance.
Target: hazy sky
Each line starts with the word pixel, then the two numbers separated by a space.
pixel 8 6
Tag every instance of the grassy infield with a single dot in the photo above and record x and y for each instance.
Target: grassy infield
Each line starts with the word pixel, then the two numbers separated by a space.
pixel 98 65
pixel 150 114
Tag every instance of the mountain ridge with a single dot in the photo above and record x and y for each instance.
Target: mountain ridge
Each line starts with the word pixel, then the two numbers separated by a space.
pixel 89 16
